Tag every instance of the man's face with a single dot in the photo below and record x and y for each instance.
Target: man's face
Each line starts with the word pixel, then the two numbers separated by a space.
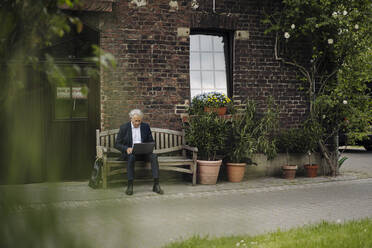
pixel 136 121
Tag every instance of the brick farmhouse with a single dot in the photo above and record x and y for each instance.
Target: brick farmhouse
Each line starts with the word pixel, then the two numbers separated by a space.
pixel 151 42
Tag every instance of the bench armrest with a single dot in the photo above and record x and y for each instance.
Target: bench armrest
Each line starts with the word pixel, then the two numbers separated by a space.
pixel 113 150
pixel 190 148
pixel 102 151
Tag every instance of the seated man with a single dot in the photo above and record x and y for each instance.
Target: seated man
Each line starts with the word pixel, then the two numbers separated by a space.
pixel 130 133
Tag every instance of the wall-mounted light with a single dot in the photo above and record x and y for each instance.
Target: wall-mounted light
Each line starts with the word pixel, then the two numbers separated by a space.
pixel 194 4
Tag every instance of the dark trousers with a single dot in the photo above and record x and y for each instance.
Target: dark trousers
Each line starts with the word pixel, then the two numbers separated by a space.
pixel 153 158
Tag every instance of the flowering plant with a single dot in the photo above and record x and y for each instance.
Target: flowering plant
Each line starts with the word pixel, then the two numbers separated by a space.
pixel 339 35
pixel 216 100
pixel 208 99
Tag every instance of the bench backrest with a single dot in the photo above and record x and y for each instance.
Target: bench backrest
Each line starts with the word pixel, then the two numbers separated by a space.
pixel 165 140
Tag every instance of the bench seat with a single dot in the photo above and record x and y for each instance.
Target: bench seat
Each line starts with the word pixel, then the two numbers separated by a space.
pixel 166 142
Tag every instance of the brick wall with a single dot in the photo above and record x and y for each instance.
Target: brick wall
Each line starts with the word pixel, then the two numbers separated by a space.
pixel 150 42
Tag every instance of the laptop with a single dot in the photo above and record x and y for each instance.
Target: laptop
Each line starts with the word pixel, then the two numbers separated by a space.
pixel 143 148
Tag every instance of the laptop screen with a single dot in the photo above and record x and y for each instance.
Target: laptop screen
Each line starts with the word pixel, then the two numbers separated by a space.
pixel 143 148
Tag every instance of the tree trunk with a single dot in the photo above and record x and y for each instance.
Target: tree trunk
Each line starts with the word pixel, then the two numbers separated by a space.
pixel 335 154
pixel 330 155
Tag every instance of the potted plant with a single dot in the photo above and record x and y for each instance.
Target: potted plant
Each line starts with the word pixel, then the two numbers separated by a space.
pixel 250 133
pixel 208 133
pixel 289 141
pixel 210 102
pixel 310 139
pixel 241 144
pixel 311 170
pixel 217 102
pixel 197 105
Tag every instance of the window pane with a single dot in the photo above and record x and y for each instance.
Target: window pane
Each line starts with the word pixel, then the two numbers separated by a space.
pixel 219 61
pixel 207 64
pixel 195 80
pixel 220 91
pixel 194 43
pixel 220 79
pixel 62 106
pixel 206 43
pixel 194 61
pixel 71 102
pixel 195 92
pixel 80 101
pixel 208 79
pixel 207 61
pixel 218 44
pixel 208 90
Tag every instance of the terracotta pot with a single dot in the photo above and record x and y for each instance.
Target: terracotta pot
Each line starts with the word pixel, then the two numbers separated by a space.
pixel 219 111
pixel 289 171
pixel 185 118
pixel 311 170
pixel 208 171
pixel 235 171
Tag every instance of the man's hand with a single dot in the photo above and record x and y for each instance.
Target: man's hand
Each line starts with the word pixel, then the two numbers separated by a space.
pixel 129 150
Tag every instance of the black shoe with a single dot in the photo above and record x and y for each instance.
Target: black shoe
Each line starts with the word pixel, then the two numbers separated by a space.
pixel 157 189
pixel 129 190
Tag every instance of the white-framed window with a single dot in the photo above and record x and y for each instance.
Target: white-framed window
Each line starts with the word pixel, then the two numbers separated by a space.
pixel 207 64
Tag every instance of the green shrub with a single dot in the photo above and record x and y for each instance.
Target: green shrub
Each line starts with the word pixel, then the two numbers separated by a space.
pixel 251 133
pixel 208 133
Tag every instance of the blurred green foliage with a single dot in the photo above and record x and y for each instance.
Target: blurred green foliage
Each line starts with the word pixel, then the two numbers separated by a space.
pixel 27 28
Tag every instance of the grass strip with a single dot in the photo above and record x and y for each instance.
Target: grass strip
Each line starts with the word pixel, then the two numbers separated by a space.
pixel 352 234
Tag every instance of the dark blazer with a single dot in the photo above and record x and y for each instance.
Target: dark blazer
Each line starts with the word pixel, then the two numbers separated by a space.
pixel 124 137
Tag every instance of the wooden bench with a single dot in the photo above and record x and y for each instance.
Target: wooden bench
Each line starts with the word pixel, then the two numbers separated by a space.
pixel 167 142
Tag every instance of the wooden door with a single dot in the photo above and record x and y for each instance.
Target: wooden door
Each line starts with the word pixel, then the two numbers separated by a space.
pixel 71 130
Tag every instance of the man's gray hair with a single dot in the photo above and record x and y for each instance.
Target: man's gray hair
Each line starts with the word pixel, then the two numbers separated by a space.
pixel 134 112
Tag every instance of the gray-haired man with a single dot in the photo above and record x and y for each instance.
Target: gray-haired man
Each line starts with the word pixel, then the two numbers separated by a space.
pixel 130 133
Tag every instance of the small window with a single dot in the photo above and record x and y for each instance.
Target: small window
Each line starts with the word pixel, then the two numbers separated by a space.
pixel 71 101
pixel 207 64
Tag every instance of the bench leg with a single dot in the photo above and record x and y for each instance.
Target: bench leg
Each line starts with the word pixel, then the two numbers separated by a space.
pixel 194 174
pixel 104 183
pixel 104 175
